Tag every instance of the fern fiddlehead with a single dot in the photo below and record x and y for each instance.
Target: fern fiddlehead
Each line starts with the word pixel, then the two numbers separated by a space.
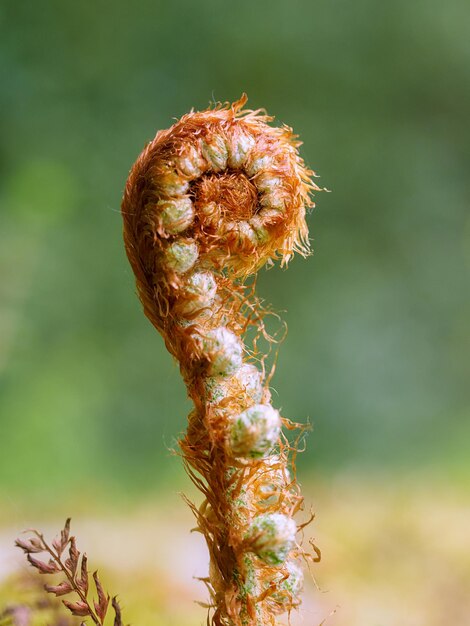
pixel 207 203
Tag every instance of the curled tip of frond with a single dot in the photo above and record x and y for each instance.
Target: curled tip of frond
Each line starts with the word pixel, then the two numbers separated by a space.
pixel 240 103
pixel 226 179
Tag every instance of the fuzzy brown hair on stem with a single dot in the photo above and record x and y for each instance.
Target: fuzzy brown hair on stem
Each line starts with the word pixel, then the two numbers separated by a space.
pixel 208 203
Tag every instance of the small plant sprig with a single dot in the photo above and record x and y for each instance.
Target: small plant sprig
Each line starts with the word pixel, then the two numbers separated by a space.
pixel 65 558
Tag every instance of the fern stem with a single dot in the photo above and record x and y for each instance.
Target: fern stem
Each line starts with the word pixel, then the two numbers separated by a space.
pixel 206 205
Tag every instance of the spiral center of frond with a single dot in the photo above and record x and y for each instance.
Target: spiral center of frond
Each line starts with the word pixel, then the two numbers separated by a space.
pixel 234 194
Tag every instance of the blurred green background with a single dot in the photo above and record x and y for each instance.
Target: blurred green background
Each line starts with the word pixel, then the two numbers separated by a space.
pixel 377 351
pixel 376 357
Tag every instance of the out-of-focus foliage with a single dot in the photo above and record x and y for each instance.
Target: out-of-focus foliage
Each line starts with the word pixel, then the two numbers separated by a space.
pixel 394 552
pixel 377 351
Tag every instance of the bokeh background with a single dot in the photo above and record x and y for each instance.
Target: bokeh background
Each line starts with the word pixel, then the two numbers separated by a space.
pixel 376 357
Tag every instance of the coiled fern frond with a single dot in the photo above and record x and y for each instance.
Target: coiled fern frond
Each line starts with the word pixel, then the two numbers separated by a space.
pixel 207 203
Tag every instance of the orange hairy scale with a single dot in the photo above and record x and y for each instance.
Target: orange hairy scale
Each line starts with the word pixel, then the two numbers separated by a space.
pixel 207 203
pixel 232 193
